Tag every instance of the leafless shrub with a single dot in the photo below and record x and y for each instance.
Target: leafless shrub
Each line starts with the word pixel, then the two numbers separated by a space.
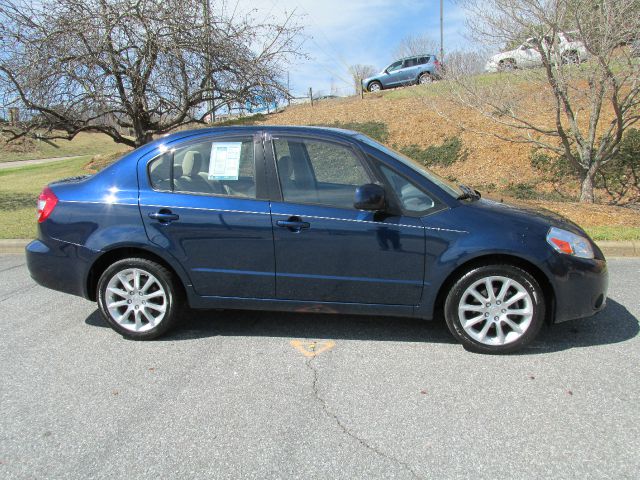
pixel 415 45
pixel 360 72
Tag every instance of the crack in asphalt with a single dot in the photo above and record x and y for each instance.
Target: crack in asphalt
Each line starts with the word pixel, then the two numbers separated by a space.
pixel 13 268
pixel 17 292
pixel 346 430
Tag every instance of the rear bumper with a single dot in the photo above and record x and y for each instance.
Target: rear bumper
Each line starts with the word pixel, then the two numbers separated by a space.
pixel 580 287
pixel 59 265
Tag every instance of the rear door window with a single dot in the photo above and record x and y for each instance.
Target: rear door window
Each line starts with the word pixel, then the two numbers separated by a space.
pixel 220 166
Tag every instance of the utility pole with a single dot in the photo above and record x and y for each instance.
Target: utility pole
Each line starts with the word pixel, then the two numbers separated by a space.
pixel 442 30
pixel 211 103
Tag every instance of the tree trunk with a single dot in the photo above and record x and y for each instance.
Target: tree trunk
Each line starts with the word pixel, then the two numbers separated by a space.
pixel 586 189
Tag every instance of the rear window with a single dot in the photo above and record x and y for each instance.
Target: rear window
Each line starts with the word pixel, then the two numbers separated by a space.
pixel 423 60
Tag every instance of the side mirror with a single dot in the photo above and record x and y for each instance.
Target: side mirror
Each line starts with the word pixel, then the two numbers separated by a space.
pixel 369 197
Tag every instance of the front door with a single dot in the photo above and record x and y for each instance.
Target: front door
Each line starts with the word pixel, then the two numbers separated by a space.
pixel 205 203
pixel 325 249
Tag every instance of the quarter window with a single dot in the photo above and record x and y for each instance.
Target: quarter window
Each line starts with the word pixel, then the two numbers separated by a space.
pixel 318 172
pixel 411 197
pixel 215 167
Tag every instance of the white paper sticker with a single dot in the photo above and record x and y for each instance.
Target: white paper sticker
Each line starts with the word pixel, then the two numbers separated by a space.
pixel 224 163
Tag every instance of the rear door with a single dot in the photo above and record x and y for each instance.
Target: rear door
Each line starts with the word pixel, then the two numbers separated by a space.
pixel 409 71
pixel 325 249
pixel 205 202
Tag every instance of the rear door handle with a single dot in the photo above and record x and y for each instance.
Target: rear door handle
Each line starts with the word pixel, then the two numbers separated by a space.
pixel 164 216
pixel 293 225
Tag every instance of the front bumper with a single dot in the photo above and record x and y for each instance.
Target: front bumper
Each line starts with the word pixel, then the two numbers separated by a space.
pixel 580 287
pixel 59 265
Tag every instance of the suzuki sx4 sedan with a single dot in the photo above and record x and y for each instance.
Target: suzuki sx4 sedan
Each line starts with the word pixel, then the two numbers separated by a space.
pixel 311 220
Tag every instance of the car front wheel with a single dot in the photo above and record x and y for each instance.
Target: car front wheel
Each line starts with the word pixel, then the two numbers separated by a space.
pixel 138 298
pixel 495 309
pixel 375 87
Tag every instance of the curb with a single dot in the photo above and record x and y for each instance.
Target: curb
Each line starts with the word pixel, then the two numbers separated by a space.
pixel 610 248
pixel 13 246
pixel 613 248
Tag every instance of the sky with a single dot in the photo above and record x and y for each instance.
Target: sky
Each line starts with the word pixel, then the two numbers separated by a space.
pixel 344 32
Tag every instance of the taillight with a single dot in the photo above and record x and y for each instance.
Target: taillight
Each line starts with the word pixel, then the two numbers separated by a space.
pixel 437 64
pixel 47 201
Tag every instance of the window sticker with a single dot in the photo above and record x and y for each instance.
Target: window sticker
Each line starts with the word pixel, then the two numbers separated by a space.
pixel 224 163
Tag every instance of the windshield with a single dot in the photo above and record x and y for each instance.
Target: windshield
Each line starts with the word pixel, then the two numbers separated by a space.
pixel 444 184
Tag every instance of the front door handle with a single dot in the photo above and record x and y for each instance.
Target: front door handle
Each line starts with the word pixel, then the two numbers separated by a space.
pixel 164 216
pixel 294 224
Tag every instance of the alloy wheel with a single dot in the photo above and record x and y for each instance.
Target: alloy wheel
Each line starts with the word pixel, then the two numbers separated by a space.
pixel 496 310
pixel 136 300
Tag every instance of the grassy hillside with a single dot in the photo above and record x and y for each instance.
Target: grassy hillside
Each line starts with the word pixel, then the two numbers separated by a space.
pixel 418 122
pixel 82 144
pixel 19 190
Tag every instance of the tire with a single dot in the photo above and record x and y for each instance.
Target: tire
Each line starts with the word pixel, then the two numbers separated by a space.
pixel 507 65
pixel 126 308
pixel 488 327
pixel 425 79
pixel 374 86
pixel 571 58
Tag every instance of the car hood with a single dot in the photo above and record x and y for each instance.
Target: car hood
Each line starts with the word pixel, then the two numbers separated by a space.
pixel 524 214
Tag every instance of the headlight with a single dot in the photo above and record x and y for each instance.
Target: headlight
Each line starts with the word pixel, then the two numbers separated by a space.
pixel 569 243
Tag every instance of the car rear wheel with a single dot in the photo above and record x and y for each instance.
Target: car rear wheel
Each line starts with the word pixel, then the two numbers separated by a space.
pixel 507 65
pixel 495 309
pixel 375 86
pixel 425 79
pixel 138 298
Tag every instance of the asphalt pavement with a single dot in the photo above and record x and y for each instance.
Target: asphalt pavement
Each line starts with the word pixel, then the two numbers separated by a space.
pixel 274 395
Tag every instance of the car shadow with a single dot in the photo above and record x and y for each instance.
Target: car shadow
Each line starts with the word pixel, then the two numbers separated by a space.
pixel 615 324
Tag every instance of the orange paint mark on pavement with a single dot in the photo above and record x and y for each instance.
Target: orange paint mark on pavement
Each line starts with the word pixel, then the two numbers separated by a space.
pixel 311 349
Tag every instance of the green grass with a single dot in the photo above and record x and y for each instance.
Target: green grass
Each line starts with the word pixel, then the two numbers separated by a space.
pixel 83 144
pixel 19 190
pixel 614 233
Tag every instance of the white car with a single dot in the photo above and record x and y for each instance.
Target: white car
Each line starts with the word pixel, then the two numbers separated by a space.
pixel 526 55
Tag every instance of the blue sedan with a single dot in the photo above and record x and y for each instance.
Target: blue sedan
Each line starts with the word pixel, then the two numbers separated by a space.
pixel 309 220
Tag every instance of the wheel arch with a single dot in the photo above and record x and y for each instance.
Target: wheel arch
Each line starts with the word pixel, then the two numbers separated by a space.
pixel 492 259
pixel 119 253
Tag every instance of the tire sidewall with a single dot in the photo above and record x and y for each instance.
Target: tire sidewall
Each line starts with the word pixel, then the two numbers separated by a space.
pixel 372 84
pixel 161 274
pixel 524 278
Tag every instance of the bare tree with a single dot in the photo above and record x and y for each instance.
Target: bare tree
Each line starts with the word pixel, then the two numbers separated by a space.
pixel 415 45
pixel 360 72
pixel 144 66
pixel 574 105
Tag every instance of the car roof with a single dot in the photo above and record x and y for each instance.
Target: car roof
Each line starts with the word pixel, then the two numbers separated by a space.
pixel 417 55
pixel 295 129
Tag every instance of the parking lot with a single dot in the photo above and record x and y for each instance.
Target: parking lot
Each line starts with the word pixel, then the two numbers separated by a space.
pixel 255 395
